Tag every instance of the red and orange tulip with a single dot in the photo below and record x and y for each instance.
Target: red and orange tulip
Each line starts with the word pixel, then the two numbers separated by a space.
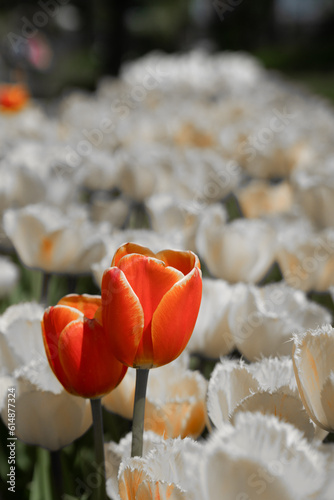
pixel 13 97
pixel 150 304
pixel 79 349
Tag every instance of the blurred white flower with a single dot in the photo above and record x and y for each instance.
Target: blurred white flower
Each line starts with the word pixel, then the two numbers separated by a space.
pixel 261 457
pixel 168 213
pixel 242 250
pixel 46 415
pixel 197 71
pixel 115 211
pixel 313 359
pixel 314 191
pixel 262 320
pixel 46 238
pixel 259 198
pixel 9 276
pixel 41 173
pixel 306 258
pixel 212 336
pixel 98 170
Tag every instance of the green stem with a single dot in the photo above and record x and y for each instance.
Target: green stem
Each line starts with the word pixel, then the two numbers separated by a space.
pixel 139 412
pixel 99 447
pixel 45 288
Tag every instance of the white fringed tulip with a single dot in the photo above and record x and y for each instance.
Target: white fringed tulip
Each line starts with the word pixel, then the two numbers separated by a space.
pixel 313 359
pixel 261 457
pixel 267 386
pixel 169 471
pixel 116 452
pixel 262 320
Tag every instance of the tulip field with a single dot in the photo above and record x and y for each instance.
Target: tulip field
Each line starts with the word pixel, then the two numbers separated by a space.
pixel 167 286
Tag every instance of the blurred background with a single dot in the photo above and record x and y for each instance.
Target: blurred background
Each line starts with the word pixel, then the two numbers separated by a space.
pixel 54 45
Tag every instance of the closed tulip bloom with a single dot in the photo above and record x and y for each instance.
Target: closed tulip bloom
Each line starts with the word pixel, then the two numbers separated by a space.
pixel 78 348
pixel 150 304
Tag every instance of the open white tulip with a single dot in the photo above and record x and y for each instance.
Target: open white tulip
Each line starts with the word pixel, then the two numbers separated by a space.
pixel 262 320
pixel 313 359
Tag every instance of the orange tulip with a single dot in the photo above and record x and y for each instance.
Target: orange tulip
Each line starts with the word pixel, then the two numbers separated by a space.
pixel 79 349
pixel 150 304
pixel 13 97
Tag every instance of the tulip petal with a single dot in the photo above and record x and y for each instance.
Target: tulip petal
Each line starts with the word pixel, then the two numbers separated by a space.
pixel 87 304
pixel 150 280
pixel 87 358
pixel 122 314
pixel 130 248
pixel 183 261
pixel 175 318
pixel 313 362
pixel 54 321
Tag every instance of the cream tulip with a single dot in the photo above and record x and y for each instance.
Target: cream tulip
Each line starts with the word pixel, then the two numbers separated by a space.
pixel 313 359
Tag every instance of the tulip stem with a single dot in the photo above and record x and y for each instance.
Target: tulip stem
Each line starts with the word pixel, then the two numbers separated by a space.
pixel 99 447
pixel 139 412
pixel 45 288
